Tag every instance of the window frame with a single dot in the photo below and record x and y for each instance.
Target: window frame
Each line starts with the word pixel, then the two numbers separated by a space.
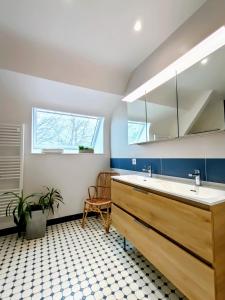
pixel 34 146
pixel 145 128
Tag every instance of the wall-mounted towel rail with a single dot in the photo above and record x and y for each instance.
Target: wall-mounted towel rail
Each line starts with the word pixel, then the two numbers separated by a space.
pixel 11 163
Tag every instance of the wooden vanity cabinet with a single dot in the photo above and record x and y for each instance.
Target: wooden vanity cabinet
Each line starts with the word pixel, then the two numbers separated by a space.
pixel 186 224
pixel 184 241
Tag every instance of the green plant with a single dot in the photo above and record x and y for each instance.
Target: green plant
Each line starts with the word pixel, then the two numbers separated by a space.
pixel 50 199
pixel 21 210
pixel 85 148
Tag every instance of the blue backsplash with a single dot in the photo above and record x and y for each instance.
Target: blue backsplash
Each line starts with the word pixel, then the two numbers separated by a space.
pixel 212 169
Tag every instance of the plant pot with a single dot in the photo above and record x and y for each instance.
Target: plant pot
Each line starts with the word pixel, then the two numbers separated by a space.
pixel 36 226
pixel 86 151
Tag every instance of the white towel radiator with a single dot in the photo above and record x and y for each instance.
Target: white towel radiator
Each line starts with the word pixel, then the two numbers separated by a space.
pixel 11 162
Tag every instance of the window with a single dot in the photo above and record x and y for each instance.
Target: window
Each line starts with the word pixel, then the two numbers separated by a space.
pixel 138 132
pixel 66 131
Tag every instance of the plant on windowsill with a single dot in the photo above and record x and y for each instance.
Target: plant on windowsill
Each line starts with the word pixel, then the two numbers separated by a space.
pixel 83 149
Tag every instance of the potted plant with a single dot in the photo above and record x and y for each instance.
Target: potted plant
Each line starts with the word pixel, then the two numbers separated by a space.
pixel 83 149
pixel 50 199
pixel 21 210
pixel 36 226
pixel 31 217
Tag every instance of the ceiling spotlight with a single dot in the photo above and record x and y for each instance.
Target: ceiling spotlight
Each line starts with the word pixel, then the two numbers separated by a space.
pixel 137 25
pixel 204 61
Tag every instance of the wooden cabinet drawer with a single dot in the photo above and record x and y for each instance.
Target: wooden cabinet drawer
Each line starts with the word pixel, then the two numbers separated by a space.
pixel 194 278
pixel 188 225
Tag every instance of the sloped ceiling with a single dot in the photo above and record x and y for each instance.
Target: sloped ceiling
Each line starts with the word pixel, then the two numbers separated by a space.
pixel 83 42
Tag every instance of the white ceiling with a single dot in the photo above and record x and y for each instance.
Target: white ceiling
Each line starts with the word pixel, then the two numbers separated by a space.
pixel 98 30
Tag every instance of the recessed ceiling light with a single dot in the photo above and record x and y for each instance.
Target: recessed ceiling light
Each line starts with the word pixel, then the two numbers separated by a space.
pixel 137 25
pixel 204 61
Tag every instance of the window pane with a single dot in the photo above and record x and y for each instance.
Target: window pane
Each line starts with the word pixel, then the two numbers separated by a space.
pixel 137 132
pixel 63 131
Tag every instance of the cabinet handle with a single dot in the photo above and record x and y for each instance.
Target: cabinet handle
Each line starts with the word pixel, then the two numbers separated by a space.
pixel 141 223
pixel 140 191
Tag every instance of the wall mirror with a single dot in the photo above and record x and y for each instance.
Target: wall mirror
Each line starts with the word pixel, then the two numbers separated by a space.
pixel 201 95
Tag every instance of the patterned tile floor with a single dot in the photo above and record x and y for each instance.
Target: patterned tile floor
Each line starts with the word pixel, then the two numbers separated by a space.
pixel 72 263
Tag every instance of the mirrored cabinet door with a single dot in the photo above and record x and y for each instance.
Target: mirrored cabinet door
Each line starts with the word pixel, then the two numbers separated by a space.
pixel 137 125
pixel 162 112
pixel 201 95
pixel 192 102
pixel 154 116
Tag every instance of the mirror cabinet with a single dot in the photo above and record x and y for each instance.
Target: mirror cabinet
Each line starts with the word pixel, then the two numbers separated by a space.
pixel 201 95
pixel 192 102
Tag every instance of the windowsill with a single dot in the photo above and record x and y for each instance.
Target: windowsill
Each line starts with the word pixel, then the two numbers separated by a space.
pixel 66 153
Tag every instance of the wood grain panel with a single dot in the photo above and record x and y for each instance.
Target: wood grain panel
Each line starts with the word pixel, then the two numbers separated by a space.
pixel 218 212
pixel 188 225
pixel 194 278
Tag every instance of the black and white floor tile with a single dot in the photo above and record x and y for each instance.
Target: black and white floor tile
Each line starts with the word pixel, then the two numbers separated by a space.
pixel 75 263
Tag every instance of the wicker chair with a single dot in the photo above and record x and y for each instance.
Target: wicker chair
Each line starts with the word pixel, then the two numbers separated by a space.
pixel 99 200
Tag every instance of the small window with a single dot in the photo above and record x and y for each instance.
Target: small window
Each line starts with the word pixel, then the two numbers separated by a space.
pixel 66 131
pixel 138 132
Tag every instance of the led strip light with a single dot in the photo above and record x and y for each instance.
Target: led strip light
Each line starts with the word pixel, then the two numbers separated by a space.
pixel 196 54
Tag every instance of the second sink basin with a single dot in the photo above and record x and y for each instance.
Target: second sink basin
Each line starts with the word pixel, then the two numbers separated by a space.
pixel 201 194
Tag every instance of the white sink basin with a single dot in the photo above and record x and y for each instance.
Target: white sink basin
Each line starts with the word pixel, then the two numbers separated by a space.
pixel 202 194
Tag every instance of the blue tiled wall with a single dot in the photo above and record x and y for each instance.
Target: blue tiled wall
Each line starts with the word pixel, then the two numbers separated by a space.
pixel 212 169
pixel 181 167
pixel 215 170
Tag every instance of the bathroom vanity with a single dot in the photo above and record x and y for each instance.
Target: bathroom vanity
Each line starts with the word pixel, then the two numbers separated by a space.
pixel 180 229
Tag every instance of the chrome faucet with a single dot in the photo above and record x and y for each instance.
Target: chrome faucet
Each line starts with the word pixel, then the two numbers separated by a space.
pixel 197 176
pixel 148 169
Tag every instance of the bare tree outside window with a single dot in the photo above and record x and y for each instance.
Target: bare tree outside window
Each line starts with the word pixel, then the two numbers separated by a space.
pixel 62 130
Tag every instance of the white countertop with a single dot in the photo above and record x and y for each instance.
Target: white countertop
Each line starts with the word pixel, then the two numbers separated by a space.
pixel 201 194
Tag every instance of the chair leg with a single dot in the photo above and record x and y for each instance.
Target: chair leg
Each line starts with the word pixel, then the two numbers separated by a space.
pixel 103 219
pixel 107 220
pixel 85 213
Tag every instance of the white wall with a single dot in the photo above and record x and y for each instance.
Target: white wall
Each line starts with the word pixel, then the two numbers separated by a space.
pixel 208 145
pixel 72 174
